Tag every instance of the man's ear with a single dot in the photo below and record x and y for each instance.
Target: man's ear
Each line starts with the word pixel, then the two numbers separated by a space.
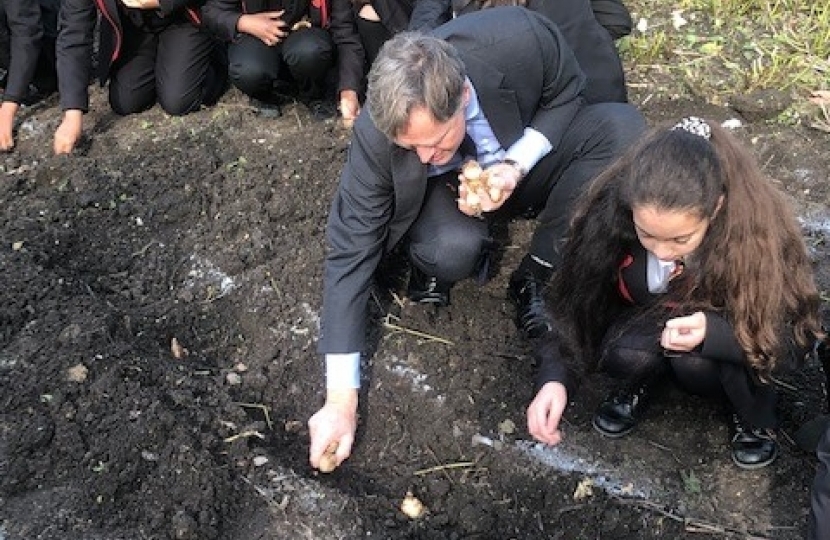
pixel 465 96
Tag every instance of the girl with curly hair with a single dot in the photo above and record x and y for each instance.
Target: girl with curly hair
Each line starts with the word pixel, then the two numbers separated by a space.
pixel 683 260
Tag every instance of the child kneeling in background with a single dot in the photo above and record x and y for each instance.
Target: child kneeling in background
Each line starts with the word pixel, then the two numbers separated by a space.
pixel 27 54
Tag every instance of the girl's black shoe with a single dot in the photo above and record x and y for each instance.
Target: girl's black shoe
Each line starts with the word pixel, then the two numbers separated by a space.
pixel 621 411
pixel 752 448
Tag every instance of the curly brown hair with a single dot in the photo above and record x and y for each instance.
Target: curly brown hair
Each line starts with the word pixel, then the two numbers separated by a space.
pixel 752 266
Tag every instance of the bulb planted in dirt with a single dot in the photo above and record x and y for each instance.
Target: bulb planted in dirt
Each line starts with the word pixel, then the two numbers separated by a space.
pixel 329 461
pixel 177 350
pixel 412 506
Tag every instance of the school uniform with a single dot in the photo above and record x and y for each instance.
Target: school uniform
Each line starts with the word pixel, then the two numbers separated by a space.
pixel 304 59
pixel 29 56
pixel 631 350
pixel 146 56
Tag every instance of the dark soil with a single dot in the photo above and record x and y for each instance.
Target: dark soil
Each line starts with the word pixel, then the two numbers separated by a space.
pixel 209 230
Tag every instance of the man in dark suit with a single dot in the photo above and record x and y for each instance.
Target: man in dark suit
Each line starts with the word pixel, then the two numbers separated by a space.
pixel 501 86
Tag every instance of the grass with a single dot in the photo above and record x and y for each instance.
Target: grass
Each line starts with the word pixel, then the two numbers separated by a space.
pixel 716 49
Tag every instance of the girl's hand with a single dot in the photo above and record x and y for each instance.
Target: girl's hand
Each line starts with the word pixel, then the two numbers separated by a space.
pixel 684 333
pixel 545 412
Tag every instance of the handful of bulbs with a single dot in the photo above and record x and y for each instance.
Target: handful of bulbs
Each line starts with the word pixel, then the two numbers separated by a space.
pixel 476 179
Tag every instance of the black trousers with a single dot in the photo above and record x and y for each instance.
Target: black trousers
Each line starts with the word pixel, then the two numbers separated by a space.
pixel 180 67
pixel 305 57
pixel 45 77
pixel 447 244
pixel 372 35
pixel 631 352
pixel 819 521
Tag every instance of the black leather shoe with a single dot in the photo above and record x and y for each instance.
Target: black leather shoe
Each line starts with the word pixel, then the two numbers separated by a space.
pixel 424 289
pixel 752 448
pixel 621 412
pixel 527 294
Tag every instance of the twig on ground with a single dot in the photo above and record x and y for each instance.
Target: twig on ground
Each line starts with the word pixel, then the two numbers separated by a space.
pixel 244 435
pixel 691 524
pixel 786 435
pixel 398 299
pixel 143 251
pixel 273 284
pixel 394 327
pixel 444 467
pixel 282 505
pixel 666 449
pixel 571 508
pixel 438 464
pixel 261 407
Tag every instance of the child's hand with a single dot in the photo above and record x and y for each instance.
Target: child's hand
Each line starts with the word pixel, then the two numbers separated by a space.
pixel 349 107
pixel 684 333
pixel 7 112
pixel 267 26
pixel 68 133
pixel 141 4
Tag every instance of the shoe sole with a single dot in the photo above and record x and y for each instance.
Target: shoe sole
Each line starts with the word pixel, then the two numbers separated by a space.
pixel 609 434
pixel 754 466
pixel 430 302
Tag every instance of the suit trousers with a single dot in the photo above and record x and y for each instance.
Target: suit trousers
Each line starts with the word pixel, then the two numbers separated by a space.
pixel 449 245
pixel 180 66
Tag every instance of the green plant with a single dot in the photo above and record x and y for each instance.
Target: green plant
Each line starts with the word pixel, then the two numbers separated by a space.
pixel 691 483
pixel 719 48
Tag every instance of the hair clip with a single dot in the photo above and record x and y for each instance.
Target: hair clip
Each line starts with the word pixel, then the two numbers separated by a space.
pixel 695 125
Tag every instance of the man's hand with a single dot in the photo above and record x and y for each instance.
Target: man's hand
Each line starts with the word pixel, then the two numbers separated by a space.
pixel 68 133
pixel 684 333
pixel 545 412
pixel 7 112
pixel 267 26
pixel 349 107
pixel 502 178
pixel 335 423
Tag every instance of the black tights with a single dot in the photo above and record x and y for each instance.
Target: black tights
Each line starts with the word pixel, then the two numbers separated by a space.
pixel 631 352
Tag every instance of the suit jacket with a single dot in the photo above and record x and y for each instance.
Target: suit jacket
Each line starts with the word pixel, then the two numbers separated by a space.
pixel 25 36
pixel 524 75
pixel 74 49
pixel 591 43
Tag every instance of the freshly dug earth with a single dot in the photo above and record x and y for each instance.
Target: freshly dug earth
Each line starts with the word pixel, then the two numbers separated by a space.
pixel 207 232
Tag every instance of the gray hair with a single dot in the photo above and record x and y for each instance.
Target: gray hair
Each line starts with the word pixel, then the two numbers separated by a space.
pixel 414 70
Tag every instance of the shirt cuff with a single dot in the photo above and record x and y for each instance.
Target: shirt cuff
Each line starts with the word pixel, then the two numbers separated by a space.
pixel 529 149
pixel 342 371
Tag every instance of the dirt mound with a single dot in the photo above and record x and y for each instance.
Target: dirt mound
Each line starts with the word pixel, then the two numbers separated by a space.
pixel 209 230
